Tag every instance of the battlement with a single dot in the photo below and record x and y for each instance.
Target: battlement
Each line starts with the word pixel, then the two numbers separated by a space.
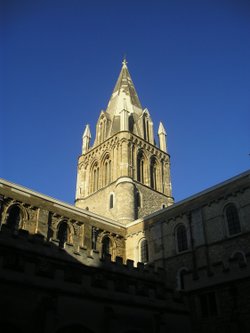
pixel 37 243
pixel 237 267
pixel 34 256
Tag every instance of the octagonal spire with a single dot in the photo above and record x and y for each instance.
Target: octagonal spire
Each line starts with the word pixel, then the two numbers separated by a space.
pixel 124 95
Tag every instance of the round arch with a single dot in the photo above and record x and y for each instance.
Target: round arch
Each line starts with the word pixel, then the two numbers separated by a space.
pixel 143 250
pixel 64 232
pixel 110 247
pixel 181 237
pixel 232 219
pixel 16 216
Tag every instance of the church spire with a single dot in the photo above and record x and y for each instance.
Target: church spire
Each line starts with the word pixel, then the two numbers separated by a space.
pixel 124 95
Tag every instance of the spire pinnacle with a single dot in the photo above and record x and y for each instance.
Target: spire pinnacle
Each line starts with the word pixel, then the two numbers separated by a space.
pixel 162 137
pixel 161 129
pixel 86 132
pixel 86 139
pixel 124 62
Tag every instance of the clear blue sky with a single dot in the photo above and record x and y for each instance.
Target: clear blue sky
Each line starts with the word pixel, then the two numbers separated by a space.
pixel 190 63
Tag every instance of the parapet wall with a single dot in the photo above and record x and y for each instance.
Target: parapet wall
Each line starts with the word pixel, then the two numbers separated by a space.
pixel 42 262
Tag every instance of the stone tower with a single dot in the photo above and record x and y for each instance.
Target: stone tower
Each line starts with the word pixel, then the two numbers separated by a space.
pixel 124 175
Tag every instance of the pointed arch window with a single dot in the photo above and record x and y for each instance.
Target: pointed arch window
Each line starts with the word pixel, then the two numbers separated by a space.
pixel 62 234
pixel 95 177
pixel 106 246
pixel 144 251
pixel 153 173
pixel 232 217
pixel 14 218
pixel 140 167
pixel 107 170
pixel 181 238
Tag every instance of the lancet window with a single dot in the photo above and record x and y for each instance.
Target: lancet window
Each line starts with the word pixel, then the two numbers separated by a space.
pixel 153 173
pixel 95 177
pixel 107 170
pixel 140 167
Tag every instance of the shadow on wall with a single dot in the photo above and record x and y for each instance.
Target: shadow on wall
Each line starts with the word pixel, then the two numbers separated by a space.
pixel 74 328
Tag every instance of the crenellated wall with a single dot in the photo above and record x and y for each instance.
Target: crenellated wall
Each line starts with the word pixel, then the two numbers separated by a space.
pixel 70 286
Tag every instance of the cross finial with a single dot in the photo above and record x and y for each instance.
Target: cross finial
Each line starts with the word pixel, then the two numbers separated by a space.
pixel 124 62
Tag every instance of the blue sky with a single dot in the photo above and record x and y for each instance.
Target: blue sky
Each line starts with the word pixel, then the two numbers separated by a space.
pixel 190 63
